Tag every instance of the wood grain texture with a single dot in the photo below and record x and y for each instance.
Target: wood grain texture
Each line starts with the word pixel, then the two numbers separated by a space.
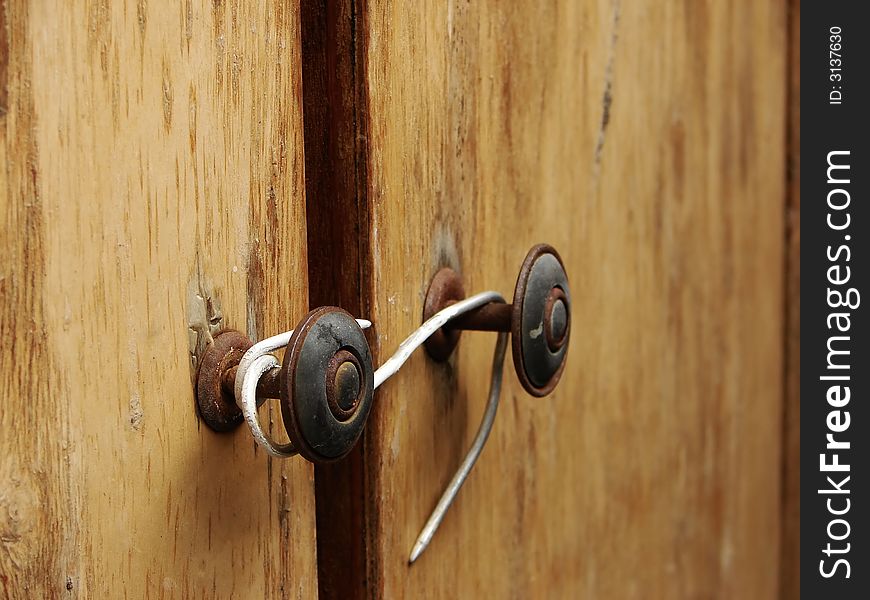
pixel 790 571
pixel 646 143
pixel 153 152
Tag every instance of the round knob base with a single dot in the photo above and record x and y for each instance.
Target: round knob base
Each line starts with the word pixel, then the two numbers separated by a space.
pixel 216 406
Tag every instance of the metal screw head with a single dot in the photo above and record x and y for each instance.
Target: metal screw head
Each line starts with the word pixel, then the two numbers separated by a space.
pixel 556 319
pixel 327 360
pixel 343 384
pixel 541 323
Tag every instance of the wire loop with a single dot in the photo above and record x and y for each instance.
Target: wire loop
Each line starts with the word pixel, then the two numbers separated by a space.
pixel 395 362
pixel 255 363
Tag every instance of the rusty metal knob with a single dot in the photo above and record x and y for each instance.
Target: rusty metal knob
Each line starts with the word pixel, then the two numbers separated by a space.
pixel 214 399
pixel 539 319
pixel 329 384
pixel 325 385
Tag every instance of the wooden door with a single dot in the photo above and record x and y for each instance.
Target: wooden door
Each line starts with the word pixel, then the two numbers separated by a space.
pixel 645 141
pixel 153 192
pixel 171 169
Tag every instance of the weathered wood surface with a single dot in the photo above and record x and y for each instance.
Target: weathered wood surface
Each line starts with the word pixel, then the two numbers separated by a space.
pixel 152 152
pixel 645 140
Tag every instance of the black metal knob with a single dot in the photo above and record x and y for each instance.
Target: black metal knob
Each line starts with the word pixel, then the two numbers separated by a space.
pixel 328 386
pixel 539 318
pixel 325 384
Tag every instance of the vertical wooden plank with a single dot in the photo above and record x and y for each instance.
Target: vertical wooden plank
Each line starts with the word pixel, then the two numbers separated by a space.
pixel 339 258
pixel 643 141
pixel 37 539
pixel 790 575
pixel 153 193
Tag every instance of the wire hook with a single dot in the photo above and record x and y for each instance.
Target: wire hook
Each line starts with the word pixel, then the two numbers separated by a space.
pixel 326 382
pixel 471 457
pixel 539 323
pixel 395 362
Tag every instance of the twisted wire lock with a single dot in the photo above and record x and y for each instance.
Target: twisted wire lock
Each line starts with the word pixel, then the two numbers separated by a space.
pixel 326 383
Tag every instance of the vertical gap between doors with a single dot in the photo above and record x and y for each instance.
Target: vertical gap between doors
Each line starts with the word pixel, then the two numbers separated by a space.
pixel 335 117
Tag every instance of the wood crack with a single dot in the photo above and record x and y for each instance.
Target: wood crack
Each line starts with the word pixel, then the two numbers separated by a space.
pixel 607 96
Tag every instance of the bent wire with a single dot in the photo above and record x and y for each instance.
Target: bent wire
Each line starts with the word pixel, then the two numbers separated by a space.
pixel 392 365
pixel 428 329
pixel 326 381
pixel 258 360
pixel 486 424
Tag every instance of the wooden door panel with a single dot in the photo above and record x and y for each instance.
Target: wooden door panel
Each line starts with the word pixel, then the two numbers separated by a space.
pixel 153 192
pixel 641 140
